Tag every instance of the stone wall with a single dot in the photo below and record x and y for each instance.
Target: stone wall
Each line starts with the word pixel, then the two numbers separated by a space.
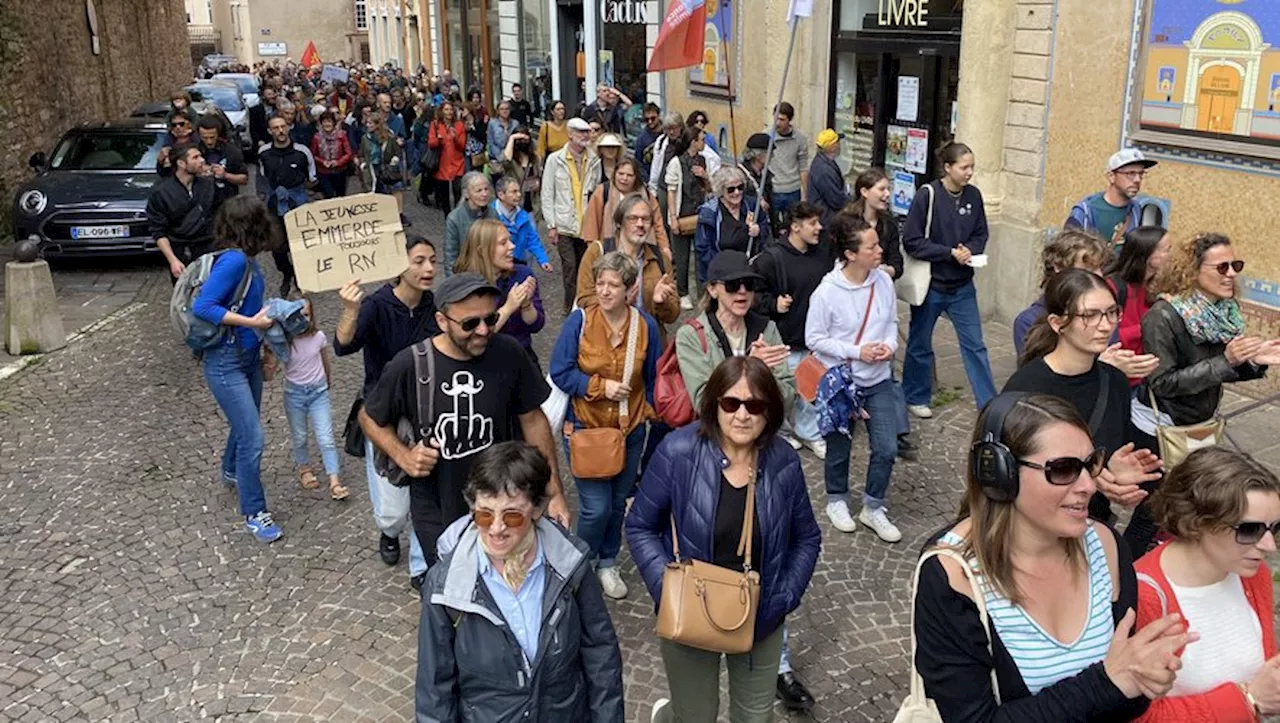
pixel 53 80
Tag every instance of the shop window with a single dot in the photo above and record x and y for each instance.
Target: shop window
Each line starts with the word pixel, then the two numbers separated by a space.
pixel 535 32
pixel 1206 76
pixel 719 54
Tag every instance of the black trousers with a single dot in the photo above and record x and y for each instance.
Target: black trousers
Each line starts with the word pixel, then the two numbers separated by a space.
pixel 187 253
pixel 443 190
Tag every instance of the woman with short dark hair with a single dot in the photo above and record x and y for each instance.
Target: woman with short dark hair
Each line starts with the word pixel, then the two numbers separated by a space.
pixel 699 485
pixel 513 623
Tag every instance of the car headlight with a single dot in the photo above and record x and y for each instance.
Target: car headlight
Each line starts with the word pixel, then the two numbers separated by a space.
pixel 33 202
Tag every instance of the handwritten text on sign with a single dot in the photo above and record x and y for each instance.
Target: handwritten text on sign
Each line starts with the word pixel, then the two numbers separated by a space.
pixel 340 239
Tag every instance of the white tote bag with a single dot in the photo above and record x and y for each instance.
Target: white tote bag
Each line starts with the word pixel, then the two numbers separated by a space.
pixel 918 708
pixel 556 405
pixel 916 273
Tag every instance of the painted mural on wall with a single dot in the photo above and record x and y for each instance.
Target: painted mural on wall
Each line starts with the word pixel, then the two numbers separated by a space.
pixel 719 49
pixel 1211 69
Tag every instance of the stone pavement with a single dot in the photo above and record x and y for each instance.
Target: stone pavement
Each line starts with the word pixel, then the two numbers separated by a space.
pixel 132 593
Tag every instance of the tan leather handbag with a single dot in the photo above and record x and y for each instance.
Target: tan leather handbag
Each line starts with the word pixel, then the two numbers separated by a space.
pixel 686 225
pixel 601 452
pixel 1176 442
pixel 709 607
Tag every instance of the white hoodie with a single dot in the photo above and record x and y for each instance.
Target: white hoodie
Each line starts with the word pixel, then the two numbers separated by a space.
pixel 836 310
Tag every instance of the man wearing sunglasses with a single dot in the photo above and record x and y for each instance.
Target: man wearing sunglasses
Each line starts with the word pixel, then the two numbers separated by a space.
pixel 486 390
pixel 181 128
pixel 1114 211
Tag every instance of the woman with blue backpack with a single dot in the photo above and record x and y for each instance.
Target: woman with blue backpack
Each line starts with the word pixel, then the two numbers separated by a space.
pixel 233 366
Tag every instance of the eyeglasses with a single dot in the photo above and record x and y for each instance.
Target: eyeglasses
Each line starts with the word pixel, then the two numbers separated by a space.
pixel 1063 471
pixel 731 405
pixel 1135 175
pixel 1222 268
pixel 734 189
pixel 511 518
pixel 1091 317
pixel 737 285
pixel 651 119
pixel 635 218
pixel 1251 533
pixel 469 325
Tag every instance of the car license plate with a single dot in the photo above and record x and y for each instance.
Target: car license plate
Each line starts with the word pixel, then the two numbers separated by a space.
pixel 91 232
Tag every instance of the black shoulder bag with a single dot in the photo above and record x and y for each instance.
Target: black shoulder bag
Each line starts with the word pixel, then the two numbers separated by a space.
pixel 423 356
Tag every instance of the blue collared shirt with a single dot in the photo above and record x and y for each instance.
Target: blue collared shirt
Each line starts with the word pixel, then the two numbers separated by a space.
pixel 523 609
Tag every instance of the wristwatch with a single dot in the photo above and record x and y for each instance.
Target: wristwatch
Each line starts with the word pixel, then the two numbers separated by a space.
pixel 1253 704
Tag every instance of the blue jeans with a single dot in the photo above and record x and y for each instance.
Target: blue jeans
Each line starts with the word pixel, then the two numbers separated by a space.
pixel 391 511
pixel 881 402
pixel 602 504
pixel 234 376
pixel 803 420
pixel 784 201
pixel 961 307
pixel 301 403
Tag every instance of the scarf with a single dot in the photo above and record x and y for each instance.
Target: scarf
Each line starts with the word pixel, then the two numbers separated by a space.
pixel 1209 322
pixel 328 145
pixel 514 567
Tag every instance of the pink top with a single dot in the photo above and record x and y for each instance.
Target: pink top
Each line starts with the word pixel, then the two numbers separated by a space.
pixel 304 367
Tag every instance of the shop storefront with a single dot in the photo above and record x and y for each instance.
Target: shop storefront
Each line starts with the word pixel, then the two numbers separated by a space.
pixel 894 90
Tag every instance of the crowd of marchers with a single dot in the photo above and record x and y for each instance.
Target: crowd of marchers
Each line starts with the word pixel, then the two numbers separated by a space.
pixel 727 315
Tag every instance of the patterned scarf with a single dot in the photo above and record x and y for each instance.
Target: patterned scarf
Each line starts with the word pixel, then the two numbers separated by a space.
pixel 514 567
pixel 1208 321
pixel 328 144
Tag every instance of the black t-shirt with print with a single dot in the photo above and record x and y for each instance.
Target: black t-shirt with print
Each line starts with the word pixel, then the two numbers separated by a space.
pixel 476 405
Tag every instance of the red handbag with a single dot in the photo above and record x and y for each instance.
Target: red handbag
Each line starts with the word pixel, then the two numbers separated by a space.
pixel 809 371
pixel 670 396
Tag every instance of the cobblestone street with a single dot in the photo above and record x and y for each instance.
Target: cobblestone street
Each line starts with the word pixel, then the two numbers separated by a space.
pixel 131 591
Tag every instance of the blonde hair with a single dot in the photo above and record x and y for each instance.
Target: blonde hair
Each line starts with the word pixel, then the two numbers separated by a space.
pixel 1179 275
pixel 1062 252
pixel 477 250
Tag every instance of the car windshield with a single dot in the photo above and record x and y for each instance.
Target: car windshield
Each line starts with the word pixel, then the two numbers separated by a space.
pixel 113 151
pixel 244 83
pixel 226 98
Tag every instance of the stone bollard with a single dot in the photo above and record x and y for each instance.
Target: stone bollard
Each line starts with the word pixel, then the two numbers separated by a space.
pixel 32 322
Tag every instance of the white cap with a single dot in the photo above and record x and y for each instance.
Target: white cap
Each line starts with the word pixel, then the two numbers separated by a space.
pixel 577 124
pixel 1128 157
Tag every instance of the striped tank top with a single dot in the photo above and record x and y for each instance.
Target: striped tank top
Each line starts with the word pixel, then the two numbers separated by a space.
pixel 1042 660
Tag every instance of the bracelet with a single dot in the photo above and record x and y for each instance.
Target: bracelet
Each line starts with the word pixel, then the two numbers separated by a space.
pixel 1253 704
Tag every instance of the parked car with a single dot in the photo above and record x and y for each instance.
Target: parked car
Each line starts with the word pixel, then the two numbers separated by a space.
pixel 213 63
pixel 246 82
pixel 228 99
pixel 159 111
pixel 89 197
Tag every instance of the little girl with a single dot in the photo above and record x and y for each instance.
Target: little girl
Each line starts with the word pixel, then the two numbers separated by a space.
pixel 306 394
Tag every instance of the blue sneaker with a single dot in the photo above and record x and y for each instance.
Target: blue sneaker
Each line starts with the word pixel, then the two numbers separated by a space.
pixel 263 527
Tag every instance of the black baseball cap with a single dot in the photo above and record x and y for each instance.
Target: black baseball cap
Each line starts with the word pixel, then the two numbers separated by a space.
pixel 731 266
pixel 460 286
pixel 758 141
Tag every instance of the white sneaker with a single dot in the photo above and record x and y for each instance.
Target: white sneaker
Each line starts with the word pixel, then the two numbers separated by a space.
pixel 795 443
pixel 612 582
pixel 920 410
pixel 817 446
pixel 658 705
pixel 838 513
pixel 879 522
pixel 686 303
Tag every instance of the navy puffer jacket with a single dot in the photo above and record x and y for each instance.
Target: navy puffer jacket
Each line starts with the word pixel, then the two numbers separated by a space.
pixel 684 478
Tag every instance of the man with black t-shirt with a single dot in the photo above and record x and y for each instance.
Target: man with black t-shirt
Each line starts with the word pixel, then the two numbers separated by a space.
pixel 486 391
pixel 521 110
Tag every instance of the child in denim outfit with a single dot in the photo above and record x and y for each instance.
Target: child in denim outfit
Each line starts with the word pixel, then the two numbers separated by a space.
pixel 306 395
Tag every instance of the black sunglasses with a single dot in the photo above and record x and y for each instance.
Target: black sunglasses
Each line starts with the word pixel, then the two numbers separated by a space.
pixel 1237 266
pixel 469 325
pixel 737 285
pixel 1250 533
pixel 730 405
pixel 1063 471
pixel 734 189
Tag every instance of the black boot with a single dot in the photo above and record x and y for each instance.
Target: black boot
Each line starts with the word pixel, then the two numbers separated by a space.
pixel 389 549
pixel 793 694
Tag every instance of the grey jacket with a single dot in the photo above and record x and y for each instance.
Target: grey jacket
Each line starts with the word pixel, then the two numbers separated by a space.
pixel 790 157
pixel 471 668
pixel 456 226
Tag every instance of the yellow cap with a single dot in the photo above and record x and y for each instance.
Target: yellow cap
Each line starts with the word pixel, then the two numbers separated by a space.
pixel 828 138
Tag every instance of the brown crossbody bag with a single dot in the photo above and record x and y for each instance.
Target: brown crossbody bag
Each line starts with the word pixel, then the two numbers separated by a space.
pixel 601 452
pixel 709 607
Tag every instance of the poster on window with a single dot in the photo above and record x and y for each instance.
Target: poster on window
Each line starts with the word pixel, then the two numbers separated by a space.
pixel 917 150
pixel 908 98
pixel 606 68
pixel 904 192
pixel 895 147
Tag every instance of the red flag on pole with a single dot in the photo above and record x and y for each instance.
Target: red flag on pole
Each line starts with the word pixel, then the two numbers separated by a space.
pixel 310 56
pixel 681 38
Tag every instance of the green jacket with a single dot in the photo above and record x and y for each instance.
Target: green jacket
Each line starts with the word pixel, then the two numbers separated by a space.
pixel 696 364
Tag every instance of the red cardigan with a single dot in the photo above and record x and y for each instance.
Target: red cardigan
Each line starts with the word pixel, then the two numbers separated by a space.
pixel 452 159
pixel 1225 703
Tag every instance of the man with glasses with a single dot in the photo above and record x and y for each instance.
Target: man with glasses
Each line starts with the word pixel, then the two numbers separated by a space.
pixel 1114 211
pixel 486 390
pixel 649 135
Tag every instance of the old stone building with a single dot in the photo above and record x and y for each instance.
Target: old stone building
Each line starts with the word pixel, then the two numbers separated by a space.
pixel 64 62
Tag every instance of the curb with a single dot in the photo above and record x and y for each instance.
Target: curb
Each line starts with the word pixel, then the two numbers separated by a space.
pixel 23 362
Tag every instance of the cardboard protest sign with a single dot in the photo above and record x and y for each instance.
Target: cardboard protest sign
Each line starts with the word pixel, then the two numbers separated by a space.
pixel 334 74
pixel 340 239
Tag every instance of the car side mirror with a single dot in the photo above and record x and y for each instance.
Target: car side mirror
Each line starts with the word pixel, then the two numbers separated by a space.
pixel 37 161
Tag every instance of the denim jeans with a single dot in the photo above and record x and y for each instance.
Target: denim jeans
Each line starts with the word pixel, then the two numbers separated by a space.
pixel 803 420
pixel 391 511
pixel 784 201
pixel 961 307
pixel 784 656
pixel 234 376
pixel 881 402
pixel 301 403
pixel 602 503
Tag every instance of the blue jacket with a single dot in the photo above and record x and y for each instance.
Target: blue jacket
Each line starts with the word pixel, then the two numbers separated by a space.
pixel 1023 322
pixel 497 135
pixel 289 322
pixel 1081 215
pixel 955 222
pixel 214 299
pixel 706 237
pixel 683 478
pixel 826 186
pixel 524 234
